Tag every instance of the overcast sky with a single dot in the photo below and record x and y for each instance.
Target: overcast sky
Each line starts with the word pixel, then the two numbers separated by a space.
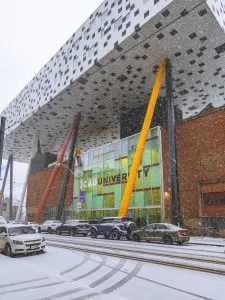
pixel 31 32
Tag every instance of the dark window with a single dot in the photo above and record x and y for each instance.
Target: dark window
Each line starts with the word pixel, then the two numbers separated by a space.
pixel 160 226
pixel 211 199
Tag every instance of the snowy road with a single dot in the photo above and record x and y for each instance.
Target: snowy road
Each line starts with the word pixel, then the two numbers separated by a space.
pixel 66 274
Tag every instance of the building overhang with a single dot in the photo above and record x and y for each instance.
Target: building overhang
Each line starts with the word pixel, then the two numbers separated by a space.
pixel 186 32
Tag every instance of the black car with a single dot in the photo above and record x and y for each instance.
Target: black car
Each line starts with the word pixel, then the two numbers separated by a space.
pixel 114 227
pixel 74 227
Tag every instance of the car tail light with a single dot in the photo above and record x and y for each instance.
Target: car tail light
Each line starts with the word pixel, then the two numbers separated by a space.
pixel 180 232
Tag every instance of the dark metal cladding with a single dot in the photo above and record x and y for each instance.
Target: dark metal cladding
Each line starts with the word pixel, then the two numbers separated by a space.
pixel 174 184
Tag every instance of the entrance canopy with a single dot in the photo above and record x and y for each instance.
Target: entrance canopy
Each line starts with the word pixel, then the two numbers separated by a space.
pixel 108 67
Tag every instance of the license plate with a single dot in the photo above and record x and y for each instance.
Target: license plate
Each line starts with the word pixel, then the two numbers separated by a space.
pixel 33 247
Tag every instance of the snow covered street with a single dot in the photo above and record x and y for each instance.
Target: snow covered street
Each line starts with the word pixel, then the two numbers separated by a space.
pixel 67 274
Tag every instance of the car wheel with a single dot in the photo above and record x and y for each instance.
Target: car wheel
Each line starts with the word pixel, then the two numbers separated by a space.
pixel 93 233
pixel 135 238
pixel 8 250
pixel 132 227
pixel 167 240
pixel 115 235
pixel 58 231
pixel 49 230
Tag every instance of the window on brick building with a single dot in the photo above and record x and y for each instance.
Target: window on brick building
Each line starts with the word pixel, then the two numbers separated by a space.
pixel 33 184
pixel 213 199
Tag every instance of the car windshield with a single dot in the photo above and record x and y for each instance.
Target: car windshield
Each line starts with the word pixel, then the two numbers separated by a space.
pixel 20 230
pixel 117 220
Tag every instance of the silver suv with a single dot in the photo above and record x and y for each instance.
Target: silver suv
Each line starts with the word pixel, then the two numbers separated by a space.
pixel 50 225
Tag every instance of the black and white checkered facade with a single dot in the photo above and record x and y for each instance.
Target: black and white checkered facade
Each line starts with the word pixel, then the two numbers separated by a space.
pixel 108 67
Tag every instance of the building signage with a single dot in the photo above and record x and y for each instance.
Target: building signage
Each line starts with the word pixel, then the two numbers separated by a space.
pixel 113 179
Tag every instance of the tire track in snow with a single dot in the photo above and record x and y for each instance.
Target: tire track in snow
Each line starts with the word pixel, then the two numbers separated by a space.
pixel 100 265
pixel 84 260
pixel 117 268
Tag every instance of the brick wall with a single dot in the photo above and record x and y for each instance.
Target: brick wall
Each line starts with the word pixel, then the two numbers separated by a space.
pixel 37 184
pixel 201 162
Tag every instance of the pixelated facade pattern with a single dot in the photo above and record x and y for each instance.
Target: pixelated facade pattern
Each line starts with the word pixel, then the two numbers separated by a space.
pixel 112 23
pixel 108 67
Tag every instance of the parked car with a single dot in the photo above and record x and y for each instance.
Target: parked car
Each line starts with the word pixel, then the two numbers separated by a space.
pixel 15 222
pixel 2 220
pixel 114 228
pixel 50 225
pixel 161 232
pixel 17 239
pixel 34 225
pixel 74 227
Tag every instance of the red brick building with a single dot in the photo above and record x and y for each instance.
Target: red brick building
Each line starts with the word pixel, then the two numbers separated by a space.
pixel 37 184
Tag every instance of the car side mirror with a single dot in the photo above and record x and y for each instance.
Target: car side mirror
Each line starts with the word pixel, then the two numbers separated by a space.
pixel 3 234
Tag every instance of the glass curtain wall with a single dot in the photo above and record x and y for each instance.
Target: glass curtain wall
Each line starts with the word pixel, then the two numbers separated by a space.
pixel 100 182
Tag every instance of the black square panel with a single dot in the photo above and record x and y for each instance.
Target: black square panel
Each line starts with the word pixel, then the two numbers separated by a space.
pixel 165 13
pixel 122 78
pixel 193 35
pixel 173 32
pixel 190 51
pixel 220 49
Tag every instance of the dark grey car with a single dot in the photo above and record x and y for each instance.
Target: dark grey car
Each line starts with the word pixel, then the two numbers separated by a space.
pixel 161 232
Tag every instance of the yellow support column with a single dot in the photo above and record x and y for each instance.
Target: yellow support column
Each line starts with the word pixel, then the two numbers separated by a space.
pixel 141 143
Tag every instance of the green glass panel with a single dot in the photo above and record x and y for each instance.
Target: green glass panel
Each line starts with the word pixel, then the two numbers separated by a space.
pixel 157 197
pixel 156 180
pixel 139 198
pixel 94 201
pixel 117 195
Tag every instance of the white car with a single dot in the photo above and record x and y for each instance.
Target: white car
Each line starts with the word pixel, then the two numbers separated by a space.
pixel 50 225
pixel 2 220
pixel 16 239
pixel 34 225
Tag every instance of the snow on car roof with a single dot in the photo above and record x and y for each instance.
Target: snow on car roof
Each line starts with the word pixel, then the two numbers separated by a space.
pixel 14 225
pixel 113 217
